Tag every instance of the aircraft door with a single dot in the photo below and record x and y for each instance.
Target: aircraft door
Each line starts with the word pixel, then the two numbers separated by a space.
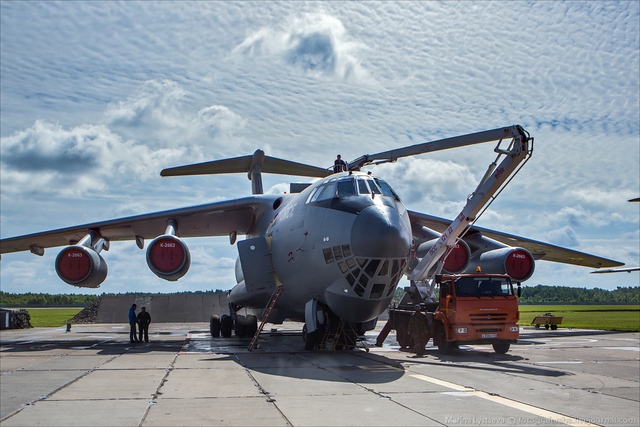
pixel 257 266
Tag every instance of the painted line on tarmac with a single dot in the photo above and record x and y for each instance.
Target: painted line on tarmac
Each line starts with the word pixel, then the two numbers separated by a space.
pixel 549 415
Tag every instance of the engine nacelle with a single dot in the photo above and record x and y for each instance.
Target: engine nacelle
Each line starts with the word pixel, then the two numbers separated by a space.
pixel 81 266
pixel 518 263
pixel 168 257
pixel 456 261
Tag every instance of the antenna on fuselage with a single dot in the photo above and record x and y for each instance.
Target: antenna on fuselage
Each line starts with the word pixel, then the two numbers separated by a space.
pixel 253 165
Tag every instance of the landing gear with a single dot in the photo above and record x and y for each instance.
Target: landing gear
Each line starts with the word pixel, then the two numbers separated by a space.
pixel 311 339
pixel 214 326
pixel 226 325
pixel 252 325
pixel 333 333
pixel 241 325
pixel 245 326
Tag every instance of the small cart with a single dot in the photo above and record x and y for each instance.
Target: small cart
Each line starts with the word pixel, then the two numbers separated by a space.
pixel 548 320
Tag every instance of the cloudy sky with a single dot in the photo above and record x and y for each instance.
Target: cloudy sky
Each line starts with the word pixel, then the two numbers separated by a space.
pixel 98 97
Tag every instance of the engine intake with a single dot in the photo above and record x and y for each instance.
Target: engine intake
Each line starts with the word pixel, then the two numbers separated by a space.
pixel 168 257
pixel 456 261
pixel 518 263
pixel 81 266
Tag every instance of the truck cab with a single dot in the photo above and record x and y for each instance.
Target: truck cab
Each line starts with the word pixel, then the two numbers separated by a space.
pixel 476 308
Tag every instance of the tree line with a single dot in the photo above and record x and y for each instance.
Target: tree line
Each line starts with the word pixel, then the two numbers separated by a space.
pixel 542 294
pixel 545 294
pixel 80 300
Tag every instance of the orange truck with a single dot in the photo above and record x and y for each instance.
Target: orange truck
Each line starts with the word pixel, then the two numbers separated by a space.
pixel 476 308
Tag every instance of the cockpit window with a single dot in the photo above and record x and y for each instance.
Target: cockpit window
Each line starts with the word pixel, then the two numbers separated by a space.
pixel 313 193
pixel 327 191
pixel 346 188
pixel 374 186
pixel 386 188
pixel 363 188
pixel 351 186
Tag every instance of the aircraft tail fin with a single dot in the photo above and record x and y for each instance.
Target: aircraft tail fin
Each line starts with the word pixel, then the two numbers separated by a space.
pixel 254 165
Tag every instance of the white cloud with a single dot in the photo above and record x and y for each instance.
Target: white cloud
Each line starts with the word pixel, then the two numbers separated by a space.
pixel 72 162
pixel 563 237
pixel 317 43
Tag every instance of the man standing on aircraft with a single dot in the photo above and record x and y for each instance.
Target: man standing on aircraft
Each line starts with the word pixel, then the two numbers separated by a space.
pixel 419 329
pixel 132 323
pixel 144 319
pixel 339 165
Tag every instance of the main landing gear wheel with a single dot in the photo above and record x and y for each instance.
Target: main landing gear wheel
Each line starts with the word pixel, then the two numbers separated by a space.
pixel 310 338
pixel 214 326
pixel 241 325
pixel 226 325
pixel 252 325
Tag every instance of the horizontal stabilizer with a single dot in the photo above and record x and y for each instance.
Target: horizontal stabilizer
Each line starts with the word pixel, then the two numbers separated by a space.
pixel 244 163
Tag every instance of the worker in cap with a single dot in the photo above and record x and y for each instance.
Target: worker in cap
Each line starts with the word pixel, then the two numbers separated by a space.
pixel 419 329
pixel 339 165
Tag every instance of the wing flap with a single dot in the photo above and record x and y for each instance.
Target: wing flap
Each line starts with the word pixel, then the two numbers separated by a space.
pixel 540 250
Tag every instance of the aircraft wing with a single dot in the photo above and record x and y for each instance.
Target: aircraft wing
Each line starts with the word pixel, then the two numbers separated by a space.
pixel 616 270
pixel 213 219
pixel 539 250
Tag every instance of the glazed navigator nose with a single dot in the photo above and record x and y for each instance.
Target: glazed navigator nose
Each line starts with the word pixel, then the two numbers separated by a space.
pixel 378 232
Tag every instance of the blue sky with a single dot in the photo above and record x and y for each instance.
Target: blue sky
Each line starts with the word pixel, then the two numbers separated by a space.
pixel 98 97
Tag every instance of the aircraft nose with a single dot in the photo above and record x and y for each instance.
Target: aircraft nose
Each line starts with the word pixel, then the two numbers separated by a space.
pixel 380 232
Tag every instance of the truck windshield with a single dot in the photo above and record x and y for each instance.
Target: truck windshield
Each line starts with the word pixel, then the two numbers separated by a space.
pixel 483 286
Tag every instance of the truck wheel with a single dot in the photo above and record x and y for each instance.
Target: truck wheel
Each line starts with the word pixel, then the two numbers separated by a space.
pixel 546 326
pixel 445 347
pixel 501 347
pixel 554 327
pixel 537 326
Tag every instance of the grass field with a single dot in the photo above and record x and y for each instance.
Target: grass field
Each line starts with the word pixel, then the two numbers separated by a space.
pixel 51 317
pixel 601 317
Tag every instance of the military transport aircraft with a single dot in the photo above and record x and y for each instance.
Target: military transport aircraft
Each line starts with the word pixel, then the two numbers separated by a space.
pixel 333 249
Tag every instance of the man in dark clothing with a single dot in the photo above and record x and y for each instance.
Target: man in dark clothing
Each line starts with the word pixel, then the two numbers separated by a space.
pixel 419 329
pixel 144 319
pixel 132 322
pixel 339 165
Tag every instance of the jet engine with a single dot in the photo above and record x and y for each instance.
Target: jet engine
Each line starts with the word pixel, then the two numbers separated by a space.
pixel 456 261
pixel 518 263
pixel 168 257
pixel 81 266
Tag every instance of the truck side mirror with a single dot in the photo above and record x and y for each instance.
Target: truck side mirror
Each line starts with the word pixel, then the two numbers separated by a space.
pixel 519 290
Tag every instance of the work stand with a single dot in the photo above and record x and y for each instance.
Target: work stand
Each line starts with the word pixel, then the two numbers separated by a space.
pixel 345 337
